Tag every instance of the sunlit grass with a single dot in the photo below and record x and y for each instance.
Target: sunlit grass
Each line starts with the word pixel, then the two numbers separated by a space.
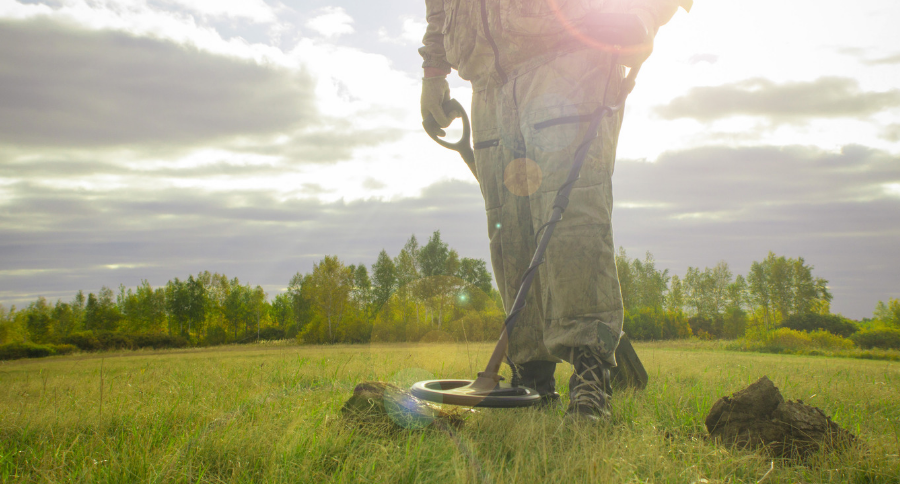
pixel 272 414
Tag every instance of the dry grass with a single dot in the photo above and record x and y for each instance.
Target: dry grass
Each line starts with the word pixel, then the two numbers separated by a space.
pixel 271 414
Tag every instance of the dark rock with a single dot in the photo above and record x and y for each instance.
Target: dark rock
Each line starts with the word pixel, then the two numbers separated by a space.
pixel 385 405
pixel 758 417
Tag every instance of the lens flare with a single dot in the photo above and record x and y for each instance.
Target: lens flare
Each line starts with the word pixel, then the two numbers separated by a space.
pixel 587 40
pixel 522 177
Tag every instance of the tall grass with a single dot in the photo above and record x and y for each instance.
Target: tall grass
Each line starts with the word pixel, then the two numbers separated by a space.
pixel 271 414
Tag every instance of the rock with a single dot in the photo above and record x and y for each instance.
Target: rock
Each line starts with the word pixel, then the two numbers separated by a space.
pixel 382 404
pixel 758 417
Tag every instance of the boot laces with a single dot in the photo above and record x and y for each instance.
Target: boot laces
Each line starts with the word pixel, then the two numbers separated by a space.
pixel 590 380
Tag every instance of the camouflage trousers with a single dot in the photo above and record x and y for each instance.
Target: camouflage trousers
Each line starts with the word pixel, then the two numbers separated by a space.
pixel 521 163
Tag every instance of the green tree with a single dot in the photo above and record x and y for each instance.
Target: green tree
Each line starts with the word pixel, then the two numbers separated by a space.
pixel 384 279
pixel 407 264
pixel 330 285
pixel 12 326
pixel 438 286
pixel 64 319
pixel 258 307
pixel 675 296
pixel 758 287
pixel 283 312
pixel 239 309
pixel 407 269
pixel 38 320
pixel 144 309
pixel 737 296
pixel 101 312
pixel 626 279
pixel 361 294
pixel 474 272
pixel 649 285
pixel 780 287
pixel 185 305
pixel 707 292
pixel 299 290
pixel 888 314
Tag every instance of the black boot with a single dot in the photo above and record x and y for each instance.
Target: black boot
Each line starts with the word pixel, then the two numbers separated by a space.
pixel 589 386
pixel 538 375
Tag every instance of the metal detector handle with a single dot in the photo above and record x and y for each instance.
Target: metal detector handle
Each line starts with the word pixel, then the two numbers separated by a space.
pixel 464 145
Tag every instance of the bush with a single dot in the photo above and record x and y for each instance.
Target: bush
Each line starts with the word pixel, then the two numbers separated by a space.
pixel 650 325
pixel 64 349
pixel 827 340
pixel 270 333
pixel 110 340
pixel 85 341
pixel 215 335
pixel 786 340
pixel 885 338
pixel 832 323
pixel 157 340
pixel 15 351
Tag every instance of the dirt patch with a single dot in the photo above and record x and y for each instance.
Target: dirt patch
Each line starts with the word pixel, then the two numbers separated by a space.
pixel 758 417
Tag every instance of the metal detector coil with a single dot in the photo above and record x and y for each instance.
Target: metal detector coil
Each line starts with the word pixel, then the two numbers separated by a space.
pixel 467 393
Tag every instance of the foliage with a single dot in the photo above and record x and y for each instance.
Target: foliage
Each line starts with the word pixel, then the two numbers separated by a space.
pixel 15 351
pixel 782 287
pixel 649 325
pixel 888 314
pixel 832 323
pixel 786 340
pixel 109 340
pixel 643 286
pixel 884 338
pixel 425 290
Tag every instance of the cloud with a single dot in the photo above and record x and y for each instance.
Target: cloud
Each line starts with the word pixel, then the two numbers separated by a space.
pixel 58 241
pixel 891 133
pixel 68 87
pixel 742 181
pixel 373 184
pixel 836 209
pixel 332 22
pixel 791 102
pixel 698 58
pixel 411 32
pixel 839 210
pixel 254 10
pixel 891 59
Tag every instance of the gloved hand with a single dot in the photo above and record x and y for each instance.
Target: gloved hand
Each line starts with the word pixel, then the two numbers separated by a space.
pixel 435 91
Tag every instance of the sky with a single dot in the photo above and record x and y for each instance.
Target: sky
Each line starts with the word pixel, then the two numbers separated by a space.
pixel 154 139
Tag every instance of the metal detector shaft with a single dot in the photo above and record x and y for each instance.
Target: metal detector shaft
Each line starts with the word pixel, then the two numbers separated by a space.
pixel 489 378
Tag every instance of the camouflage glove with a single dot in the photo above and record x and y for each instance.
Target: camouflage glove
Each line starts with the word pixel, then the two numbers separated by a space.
pixel 435 91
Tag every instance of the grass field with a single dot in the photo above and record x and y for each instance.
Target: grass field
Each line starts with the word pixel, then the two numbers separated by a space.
pixel 271 413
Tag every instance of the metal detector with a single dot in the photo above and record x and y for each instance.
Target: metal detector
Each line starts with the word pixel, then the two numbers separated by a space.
pixel 488 390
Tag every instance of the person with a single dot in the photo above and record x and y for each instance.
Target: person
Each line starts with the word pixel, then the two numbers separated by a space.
pixel 534 68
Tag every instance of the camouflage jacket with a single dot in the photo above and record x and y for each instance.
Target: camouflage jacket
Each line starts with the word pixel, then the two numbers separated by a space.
pixel 501 38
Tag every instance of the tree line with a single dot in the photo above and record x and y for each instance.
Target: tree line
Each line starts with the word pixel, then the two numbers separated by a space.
pixel 426 293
